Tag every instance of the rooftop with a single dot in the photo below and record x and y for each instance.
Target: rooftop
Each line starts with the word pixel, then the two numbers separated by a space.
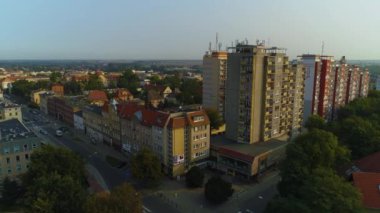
pixel 246 151
pixel 369 163
pixel 13 129
pixel 369 185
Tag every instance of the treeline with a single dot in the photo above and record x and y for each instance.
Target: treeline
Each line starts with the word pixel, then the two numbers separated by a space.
pixel 309 178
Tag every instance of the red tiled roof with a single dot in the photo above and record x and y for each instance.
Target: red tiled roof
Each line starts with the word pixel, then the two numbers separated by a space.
pixel 97 95
pixel 236 155
pixel 148 117
pixel 191 115
pixel 370 163
pixel 369 185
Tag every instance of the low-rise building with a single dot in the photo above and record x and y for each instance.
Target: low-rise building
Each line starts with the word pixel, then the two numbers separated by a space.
pixel 63 108
pixel 246 160
pixel 97 97
pixel 35 96
pixel 10 111
pixel 181 139
pixel 16 146
pixel 58 89
pixel 44 100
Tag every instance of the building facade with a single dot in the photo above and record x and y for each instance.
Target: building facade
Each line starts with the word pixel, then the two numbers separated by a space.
pixel 214 80
pixel 261 93
pixel 180 139
pixel 330 85
pixel 10 111
pixel 16 146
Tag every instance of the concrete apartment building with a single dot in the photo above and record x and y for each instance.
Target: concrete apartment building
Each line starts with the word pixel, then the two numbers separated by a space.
pixel 64 107
pixel 330 85
pixel 214 80
pixel 260 94
pixel 181 139
pixel 16 146
pixel 10 111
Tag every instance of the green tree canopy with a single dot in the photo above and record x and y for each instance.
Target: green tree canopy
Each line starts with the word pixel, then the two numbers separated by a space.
pixel 55 77
pixel 218 190
pixel 315 122
pixel 94 83
pixel 216 119
pixel 22 88
pixel 122 198
pixel 55 193
pixel 10 192
pixel 130 81
pixel 48 160
pixel 315 149
pixel 195 177
pixel 191 91
pixel 146 167
pixel 361 135
pixel 72 88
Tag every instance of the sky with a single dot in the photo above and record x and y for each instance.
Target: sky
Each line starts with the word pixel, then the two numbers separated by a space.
pixel 179 29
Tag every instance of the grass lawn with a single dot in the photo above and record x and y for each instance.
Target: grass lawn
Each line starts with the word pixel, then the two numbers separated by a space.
pixel 114 162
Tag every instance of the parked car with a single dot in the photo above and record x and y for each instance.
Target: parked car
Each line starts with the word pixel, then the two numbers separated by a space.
pixel 58 133
pixel 44 132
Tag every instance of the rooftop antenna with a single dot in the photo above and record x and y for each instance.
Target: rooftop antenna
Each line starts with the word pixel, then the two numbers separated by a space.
pixel 323 48
pixel 216 42
pixel 209 46
pixel 219 46
pixel 246 41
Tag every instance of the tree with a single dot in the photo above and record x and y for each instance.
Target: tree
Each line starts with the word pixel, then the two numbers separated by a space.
pixel 122 198
pixel 315 149
pixel 72 88
pixel 191 91
pixel 315 122
pixel 22 88
pixel 361 135
pixel 218 190
pixel 48 160
pixel 308 179
pixel 216 120
pixel 130 81
pixel 55 77
pixel 11 191
pixel 94 83
pixel 146 167
pixel 55 193
pixel 195 177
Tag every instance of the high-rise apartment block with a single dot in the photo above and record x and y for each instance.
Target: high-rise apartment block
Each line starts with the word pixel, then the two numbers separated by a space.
pixel 264 94
pixel 330 85
pixel 214 77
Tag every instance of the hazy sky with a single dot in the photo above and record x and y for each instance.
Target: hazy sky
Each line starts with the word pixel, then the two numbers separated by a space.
pixel 179 29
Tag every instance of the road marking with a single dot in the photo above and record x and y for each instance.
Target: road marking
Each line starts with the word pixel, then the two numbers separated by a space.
pixel 146 210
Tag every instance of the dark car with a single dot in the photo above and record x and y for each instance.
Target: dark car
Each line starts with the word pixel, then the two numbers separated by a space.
pixel 64 129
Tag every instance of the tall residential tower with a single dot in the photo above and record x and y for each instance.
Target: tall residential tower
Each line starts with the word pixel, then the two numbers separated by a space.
pixel 264 94
pixel 214 77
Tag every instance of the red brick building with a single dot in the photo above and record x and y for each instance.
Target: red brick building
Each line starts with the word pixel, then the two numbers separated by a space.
pixel 58 89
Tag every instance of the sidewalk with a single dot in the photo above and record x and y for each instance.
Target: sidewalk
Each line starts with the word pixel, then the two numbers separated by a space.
pixel 95 179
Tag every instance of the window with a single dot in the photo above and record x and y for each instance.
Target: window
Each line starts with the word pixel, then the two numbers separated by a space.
pixel 8 160
pixel 198 118
pixel 9 171
pixel 6 150
pixel 25 147
pixel 18 158
pixel 26 156
pixel 18 167
pixel 16 148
